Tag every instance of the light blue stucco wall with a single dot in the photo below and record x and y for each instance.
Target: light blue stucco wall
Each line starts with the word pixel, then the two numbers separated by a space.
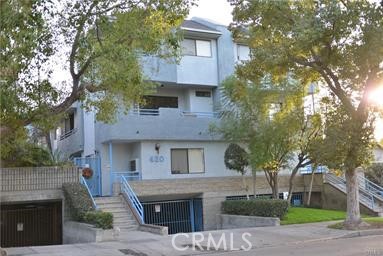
pixel 169 125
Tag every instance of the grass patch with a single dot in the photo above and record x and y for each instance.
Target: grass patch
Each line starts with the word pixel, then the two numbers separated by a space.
pixel 298 215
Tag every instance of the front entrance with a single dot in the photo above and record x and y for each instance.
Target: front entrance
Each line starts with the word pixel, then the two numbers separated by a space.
pixel 31 224
pixel 94 163
pixel 180 216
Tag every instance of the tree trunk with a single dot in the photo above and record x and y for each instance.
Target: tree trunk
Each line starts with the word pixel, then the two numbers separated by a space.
pixel 291 184
pixel 245 187
pixel 254 184
pixel 49 142
pixel 275 187
pixel 311 185
pixel 353 219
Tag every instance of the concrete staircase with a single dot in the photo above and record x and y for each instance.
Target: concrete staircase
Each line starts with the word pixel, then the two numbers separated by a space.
pixel 122 215
pixel 370 194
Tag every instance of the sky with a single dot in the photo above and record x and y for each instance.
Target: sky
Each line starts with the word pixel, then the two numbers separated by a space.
pixel 216 10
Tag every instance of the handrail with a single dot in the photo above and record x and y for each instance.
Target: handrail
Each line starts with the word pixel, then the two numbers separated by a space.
pixel 365 196
pixel 83 181
pixel 202 114
pixel 145 112
pixel 129 175
pixel 68 133
pixel 128 191
pixel 372 187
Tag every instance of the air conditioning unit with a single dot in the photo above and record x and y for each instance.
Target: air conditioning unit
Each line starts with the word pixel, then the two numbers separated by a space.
pixel 134 165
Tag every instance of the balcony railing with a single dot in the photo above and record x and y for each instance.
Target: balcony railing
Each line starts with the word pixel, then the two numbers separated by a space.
pixel 68 133
pixel 128 175
pixel 157 112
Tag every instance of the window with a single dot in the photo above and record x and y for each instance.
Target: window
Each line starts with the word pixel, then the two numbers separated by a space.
pixel 69 123
pixel 243 52
pixel 185 161
pixel 206 94
pixel 196 47
pixel 156 102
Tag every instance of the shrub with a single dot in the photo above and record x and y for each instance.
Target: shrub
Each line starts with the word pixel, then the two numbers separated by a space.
pixel 78 200
pixel 99 219
pixel 257 207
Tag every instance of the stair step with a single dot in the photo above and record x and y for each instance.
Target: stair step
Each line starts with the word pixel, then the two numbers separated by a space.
pixel 101 200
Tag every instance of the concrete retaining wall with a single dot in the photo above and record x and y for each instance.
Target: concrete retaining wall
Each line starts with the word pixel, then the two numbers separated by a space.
pixel 226 221
pixel 159 230
pixel 212 190
pixel 76 232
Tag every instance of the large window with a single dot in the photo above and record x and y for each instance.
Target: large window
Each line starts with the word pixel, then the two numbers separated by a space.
pixel 187 160
pixel 196 47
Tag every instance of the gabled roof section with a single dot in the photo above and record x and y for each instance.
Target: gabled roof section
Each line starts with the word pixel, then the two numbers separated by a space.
pixel 195 28
pixel 193 25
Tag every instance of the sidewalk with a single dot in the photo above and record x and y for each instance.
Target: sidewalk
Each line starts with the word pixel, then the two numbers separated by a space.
pixel 144 244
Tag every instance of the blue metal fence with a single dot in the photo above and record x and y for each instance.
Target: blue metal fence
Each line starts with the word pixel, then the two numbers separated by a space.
pixel 94 182
pixel 178 215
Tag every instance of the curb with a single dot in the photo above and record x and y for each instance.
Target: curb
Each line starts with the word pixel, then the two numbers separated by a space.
pixel 360 233
pixel 368 232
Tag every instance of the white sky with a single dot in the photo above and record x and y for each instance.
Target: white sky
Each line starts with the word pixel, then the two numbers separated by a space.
pixel 216 10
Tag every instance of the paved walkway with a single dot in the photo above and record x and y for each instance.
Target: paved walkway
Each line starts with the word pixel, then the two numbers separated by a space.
pixel 138 243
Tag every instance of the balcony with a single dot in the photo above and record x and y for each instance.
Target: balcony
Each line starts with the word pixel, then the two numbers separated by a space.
pixel 71 142
pixel 159 124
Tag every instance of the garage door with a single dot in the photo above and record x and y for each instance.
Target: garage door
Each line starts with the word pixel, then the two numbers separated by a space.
pixel 31 224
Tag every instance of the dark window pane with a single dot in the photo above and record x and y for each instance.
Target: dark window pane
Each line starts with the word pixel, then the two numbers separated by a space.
pixel 203 94
pixel 179 158
pixel 188 47
pixel 155 102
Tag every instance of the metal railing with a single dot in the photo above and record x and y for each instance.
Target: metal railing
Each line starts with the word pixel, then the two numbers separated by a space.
pixel 157 112
pixel 371 187
pixel 202 114
pixel 129 176
pixel 68 133
pixel 129 193
pixel 83 181
pixel 365 197
pixel 145 112
pixel 308 170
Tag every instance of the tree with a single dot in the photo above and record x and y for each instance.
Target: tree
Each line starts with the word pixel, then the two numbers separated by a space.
pixel 336 43
pixel 266 120
pixel 101 43
pixel 236 159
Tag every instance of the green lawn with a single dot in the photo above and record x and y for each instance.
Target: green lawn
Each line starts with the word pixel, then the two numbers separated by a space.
pixel 297 215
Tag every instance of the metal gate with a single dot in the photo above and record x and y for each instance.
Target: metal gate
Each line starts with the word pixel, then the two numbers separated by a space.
pixel 178 215
pixel 94 183
pixel 31 224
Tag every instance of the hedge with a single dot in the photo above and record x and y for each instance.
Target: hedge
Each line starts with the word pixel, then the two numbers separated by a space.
pixel 82 209
pixel 258 207
pixel 99 219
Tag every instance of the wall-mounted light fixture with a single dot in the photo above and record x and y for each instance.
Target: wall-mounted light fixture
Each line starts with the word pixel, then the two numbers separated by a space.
pixel 157 147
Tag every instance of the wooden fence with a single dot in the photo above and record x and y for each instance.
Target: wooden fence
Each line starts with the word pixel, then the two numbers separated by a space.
pixel 37 178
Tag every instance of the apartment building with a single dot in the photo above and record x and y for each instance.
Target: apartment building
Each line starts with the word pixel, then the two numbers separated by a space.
pixel 164 149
